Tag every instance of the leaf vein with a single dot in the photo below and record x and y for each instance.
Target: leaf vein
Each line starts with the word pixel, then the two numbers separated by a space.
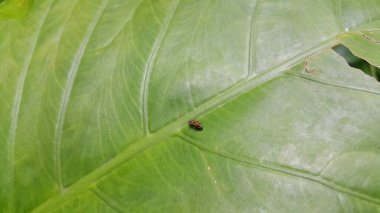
pixel 271 167
pixel 338 14
pixel 67 93
pixel 252 56
pixel 149 67
pixel 108 201
pixel 320 81
pixel 16 108
pixel 121 28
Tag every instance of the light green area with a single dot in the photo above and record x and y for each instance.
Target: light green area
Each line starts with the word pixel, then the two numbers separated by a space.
pixel 95 96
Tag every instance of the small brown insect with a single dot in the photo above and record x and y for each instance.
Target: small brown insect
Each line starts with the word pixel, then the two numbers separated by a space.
pixel 195 125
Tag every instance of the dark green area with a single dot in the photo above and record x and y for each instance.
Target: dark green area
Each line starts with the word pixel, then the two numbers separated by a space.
pixel 357 62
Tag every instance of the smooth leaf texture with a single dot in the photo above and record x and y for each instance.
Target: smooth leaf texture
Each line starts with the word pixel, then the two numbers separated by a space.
pixel 95 96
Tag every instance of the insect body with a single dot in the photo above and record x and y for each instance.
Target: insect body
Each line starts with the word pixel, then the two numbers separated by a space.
pixel 195 125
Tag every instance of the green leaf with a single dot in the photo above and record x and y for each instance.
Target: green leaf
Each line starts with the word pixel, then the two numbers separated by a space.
pixel 95 97
pixel 363 44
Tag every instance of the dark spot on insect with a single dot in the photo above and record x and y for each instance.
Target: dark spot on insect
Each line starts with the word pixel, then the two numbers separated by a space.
pixel 195 125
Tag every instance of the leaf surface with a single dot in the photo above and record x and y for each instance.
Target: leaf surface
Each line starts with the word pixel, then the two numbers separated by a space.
pixel 95 97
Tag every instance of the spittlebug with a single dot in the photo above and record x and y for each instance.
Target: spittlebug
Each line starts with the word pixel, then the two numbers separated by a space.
pixel 195 125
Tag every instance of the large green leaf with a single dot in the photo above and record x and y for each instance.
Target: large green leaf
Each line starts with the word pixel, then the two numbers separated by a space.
pixel 95 97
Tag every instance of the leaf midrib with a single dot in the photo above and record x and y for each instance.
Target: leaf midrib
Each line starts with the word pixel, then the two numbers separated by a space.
pixel 172 128
pixel 241 87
